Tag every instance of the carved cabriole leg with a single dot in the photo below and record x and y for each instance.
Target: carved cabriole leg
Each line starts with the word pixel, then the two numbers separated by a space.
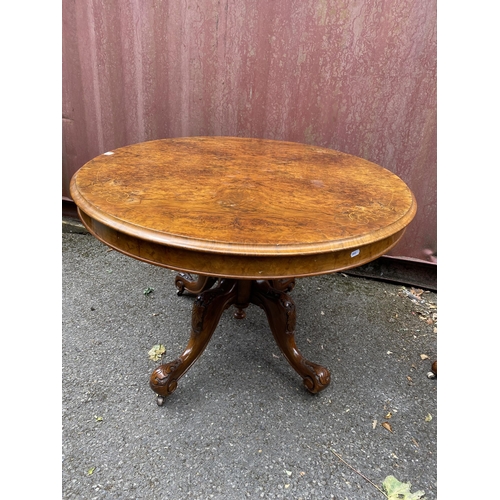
pixel 184 281
pixel 207 310
pixel 280 312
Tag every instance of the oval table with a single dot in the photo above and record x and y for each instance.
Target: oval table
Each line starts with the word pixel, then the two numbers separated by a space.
pixel 245 217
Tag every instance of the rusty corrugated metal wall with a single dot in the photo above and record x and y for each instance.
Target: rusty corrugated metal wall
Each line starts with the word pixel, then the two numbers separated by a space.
pixel 354 75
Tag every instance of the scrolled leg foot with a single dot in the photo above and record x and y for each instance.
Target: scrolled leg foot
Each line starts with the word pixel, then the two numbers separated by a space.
pixel 163 380
pixel 318 379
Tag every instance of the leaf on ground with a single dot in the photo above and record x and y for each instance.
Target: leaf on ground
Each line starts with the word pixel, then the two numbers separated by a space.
pixel 387 425
pixel 90 471
pixel 424 356
pixel 397 490
pixel 148 290
pixel 428 417
pixel 156 352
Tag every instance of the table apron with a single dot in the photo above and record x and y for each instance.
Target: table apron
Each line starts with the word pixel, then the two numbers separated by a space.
pixel 235 265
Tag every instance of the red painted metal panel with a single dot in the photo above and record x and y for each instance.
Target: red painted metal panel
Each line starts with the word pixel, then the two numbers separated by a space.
pixel 358 76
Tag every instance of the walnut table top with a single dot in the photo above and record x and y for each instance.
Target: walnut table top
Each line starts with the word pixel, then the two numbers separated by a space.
pixel 245 208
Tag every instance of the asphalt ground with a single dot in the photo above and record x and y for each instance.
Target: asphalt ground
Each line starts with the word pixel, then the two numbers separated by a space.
pixel 240 424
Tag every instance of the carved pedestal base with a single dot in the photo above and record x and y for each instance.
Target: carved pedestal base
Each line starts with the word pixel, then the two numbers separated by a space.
pixel 270 295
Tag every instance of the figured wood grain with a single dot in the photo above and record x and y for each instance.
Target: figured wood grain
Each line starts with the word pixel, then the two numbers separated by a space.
pixel 240 207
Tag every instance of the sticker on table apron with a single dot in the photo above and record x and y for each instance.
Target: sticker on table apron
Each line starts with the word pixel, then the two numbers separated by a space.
pixel 354 253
